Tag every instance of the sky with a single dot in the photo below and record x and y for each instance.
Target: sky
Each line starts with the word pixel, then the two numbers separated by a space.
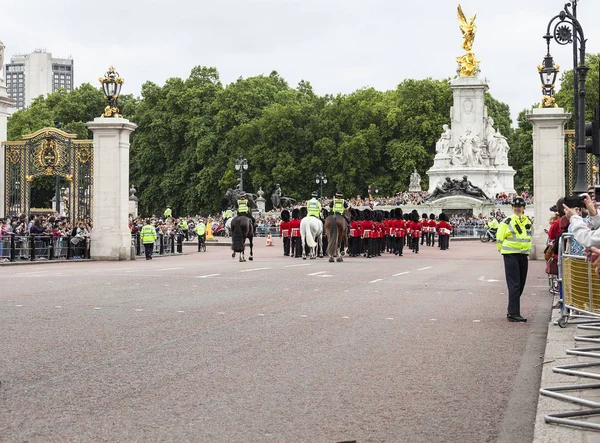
pixel 337 46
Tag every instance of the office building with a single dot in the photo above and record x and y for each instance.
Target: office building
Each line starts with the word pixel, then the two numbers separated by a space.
pixel 30 75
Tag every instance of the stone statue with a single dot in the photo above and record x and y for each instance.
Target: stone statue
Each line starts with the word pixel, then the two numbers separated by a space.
pixel 2 62
pixel 467 151
pixel 468 188
pixel 415 179
pixel 454 187
pixel 443 144
pixel 500 150
pixel 276 197
pixel 442 189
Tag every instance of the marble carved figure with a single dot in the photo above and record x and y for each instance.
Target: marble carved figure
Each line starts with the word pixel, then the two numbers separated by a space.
pixel 415 179
pixel 443 144
pixel 2 62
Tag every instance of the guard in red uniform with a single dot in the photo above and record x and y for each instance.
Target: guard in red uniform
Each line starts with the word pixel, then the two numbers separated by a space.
pixel 432 230
pixel 367 228
pixel 415 230
pixel 424 228
pixel 284 230
pixel 444 230
pixel 295 232
pixel 400 227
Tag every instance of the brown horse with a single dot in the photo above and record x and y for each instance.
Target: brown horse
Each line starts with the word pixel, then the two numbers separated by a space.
pixel 336 230
pixel 241 229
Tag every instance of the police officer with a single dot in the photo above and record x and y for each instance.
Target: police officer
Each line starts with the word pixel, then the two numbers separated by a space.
pixel 313 206
pixel 513 240
pixel 493 226
pixel 339 206
pixel 168 213
pixel 148 237
pixel 228 214
pixel 184 228
pixel 243 209
pixel 201 233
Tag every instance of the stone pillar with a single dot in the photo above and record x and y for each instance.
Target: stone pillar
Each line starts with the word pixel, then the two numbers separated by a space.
pixel 111 238
pixel 548 169
pixel 260 201
pixel 5 103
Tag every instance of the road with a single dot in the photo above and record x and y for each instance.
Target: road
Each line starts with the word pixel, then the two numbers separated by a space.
pixel 203 348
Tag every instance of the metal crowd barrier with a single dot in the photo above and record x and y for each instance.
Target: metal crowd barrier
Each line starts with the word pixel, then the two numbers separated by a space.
pixel 164 245
pixel 16 247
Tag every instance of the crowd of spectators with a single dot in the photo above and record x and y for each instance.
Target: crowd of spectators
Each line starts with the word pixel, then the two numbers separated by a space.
pixel 506 199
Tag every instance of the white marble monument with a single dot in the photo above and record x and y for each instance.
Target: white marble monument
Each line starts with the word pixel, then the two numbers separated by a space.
pixel 5 103
pixel 111 237
pixel 415 182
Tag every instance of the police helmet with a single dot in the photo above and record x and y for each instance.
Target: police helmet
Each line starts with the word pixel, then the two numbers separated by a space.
pixel 314 194
pixel 339 195
pixel 519 201
pixel 242 195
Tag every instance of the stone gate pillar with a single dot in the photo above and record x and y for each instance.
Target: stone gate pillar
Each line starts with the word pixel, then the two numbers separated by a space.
pixel 111 238
pixel 548 169
pixel 5 103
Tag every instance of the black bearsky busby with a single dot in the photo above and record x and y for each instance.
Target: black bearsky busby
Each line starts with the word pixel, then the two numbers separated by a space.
pixel 431 216
pixel 295 213
pixel 399 214
pixel 414 216
pixel 406 217
pixel 424 216
pixel 303 212
pixel 366 214
pixel 285 215
pixel 443 217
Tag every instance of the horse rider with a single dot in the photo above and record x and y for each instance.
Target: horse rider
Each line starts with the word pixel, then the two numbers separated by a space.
pixel 168 213
pixel 228 214
pixel 313 206
pixel 339 206
pixel 243 209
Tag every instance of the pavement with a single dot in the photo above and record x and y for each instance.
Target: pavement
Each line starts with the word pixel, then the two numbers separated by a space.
pixel 200 347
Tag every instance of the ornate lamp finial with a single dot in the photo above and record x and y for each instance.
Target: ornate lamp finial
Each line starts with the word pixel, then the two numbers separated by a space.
pixel 111 85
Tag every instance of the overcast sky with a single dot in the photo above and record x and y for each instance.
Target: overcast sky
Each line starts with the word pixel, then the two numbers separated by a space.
pixel 338 46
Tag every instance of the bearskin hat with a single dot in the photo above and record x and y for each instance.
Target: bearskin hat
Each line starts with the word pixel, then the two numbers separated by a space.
pixel 303 212
pixel 414 216
pixel 399 214
pixel 295 213
pixel 431 216
pixel 406 217
pixel 424 216
pixel 366 214
pixel 443 217
pixel 386 215
pixel 285 215
pixel 354 214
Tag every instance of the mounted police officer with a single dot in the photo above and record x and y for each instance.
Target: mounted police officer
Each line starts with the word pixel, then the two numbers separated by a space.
pixel 148 237
pixel 243 209
pixel 168 213
pixel 228 214
pixel 313 206
pixel 339 206
pixel 513 240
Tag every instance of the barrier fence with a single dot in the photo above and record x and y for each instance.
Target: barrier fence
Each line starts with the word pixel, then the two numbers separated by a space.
pixel 165 244
pixel 16 247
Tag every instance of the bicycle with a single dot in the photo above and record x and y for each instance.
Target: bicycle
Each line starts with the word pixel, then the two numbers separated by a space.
pixel 487 236
pixel 202 243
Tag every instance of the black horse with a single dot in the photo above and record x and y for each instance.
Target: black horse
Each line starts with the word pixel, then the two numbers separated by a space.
pixel 241 229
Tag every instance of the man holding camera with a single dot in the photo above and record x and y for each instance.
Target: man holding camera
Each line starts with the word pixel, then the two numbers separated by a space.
pixel 587 236
pixel 513 240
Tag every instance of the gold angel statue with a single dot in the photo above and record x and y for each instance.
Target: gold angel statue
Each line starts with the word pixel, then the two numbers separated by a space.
pixel 468 29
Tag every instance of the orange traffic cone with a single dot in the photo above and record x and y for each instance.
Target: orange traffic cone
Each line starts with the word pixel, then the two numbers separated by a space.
pixel 269 241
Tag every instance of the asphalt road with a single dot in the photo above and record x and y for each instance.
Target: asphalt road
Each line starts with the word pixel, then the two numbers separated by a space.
pixel 203 348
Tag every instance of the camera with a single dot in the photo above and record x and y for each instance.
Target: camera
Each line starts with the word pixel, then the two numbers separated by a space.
pixel 597 193
pixel 576 201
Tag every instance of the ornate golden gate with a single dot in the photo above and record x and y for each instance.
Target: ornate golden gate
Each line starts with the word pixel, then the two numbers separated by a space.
pixel 49 151
pixel 591 167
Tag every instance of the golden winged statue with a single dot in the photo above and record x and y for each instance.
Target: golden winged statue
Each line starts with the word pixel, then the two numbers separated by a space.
pixel 468 29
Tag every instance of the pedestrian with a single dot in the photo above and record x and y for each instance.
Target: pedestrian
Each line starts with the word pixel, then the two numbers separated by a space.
pixel 148 237
pixel 513 240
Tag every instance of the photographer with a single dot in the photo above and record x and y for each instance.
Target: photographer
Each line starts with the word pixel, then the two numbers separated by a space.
pixel 587 236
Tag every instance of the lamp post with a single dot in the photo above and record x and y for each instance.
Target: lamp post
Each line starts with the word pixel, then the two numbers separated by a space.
pixel 321 180
pixel 566 29
pixel 241 164
pixel 373 189
pixel 111 85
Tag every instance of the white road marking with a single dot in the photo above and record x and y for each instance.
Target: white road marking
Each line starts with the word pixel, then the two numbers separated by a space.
pixel 422 269
pixel 293 266
pixel 433 319
pixel 476 321
pixel 481 278
pixel 19 306
pixel 169 269
pixel 138 310
pixel 206 276
pixel 317 273
pixel 254 269
pixel 57 307
pixel 261 315
pixel 492 280
pixel 304 316
pixel 345 317
pixel 401 273
pixel 376 280
pixel 221 313
pixel 390 318
pixel 181 312
pixel 325 275
pixel 97 308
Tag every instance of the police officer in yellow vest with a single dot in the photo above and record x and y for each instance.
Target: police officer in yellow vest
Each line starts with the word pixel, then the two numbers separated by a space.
pixel 339 205
pixel 514 243
pixel 148 237
pixel 243 209
pixel 313 206
pixel 228 214
pixel 201 233
pixel 168 213
pixel 184 228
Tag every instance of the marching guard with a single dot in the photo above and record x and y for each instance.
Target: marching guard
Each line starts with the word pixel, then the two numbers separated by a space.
pixel 444 230
pixel 285 231
pixel 296 246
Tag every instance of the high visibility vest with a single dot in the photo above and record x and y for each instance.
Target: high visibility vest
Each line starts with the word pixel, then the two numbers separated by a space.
pixel 493 224
pixel 514 236
pixel 228 214
pixel 148 234
pixel 201 229
pixel 338 205
pixel 183 225
pixel 242 206
pixel 168 212
pixel 313 207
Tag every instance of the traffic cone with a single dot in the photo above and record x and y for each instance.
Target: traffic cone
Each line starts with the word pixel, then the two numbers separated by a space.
pixel 269 241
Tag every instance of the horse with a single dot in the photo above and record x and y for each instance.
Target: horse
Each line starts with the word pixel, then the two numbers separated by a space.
pixel 228 227
pixel 241 230
pixel 336 230
pixel 311 229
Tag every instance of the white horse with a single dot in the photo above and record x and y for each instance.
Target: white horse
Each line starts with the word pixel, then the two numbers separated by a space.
pixel 311 229
pixel 228 227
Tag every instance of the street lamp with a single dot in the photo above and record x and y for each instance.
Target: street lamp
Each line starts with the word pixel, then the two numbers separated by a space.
pixel 566 29
pixel 321 180
pixel 241 164
pixel 548 72
pixel 373 189
pixel 111 85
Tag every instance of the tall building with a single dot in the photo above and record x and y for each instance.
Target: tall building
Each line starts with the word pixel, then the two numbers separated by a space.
pixel 30 75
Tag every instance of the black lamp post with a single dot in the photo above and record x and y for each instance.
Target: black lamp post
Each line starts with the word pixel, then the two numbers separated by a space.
pixel 241 164
pixel 566 29
pixel 111 85
pixel 548 72
pixel 321 180
pixel 373 189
